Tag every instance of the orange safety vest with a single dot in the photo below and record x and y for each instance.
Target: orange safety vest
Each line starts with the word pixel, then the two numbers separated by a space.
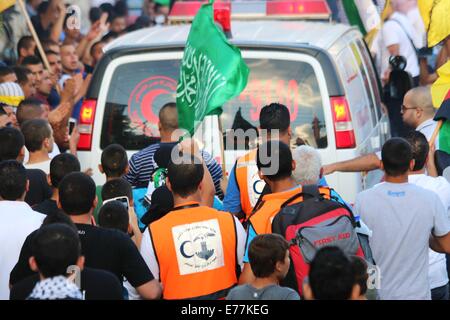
pixel 195 247
pixel 248 181
pixel 261 219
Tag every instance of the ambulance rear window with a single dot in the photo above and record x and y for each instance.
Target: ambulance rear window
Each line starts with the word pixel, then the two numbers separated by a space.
pixel 138 90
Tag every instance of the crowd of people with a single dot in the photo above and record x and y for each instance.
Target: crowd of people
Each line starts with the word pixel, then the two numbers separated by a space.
pixel 168 224
pixel 190 244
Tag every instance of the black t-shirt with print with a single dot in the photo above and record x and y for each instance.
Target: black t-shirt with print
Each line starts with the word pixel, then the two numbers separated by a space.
pixel 103 249
pixel 114 251
pixel 96 284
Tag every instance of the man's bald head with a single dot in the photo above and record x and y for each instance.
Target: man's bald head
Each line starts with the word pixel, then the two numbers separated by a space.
pixel 168 117
pixel 417 107
pixel 420 97
pixel 29 109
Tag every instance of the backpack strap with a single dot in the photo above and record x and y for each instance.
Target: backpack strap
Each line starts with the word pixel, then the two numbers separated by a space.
pixel 265 191
pixel 407 35
pixel 312 191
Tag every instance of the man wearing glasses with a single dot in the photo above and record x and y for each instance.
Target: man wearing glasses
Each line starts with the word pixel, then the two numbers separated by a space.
pixel 417 112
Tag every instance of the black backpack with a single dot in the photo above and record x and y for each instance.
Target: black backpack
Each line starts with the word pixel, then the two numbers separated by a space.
pixel 311 224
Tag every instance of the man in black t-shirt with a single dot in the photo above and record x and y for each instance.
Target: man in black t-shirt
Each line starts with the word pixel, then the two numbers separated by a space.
pixel 12 147
pixel 95 284
pixel 60 166
pixel 104 249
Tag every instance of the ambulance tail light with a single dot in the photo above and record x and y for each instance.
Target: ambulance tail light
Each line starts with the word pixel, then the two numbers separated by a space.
pixel 86 124
pixel 343 126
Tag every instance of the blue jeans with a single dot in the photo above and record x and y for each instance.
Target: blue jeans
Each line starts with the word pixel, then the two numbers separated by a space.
pixel 441 293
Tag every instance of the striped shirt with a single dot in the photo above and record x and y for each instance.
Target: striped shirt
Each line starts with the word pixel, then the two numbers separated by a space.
pixel 142 166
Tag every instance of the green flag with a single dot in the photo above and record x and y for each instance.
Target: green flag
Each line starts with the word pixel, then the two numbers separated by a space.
pixel 212 71
pixel 353 16
pixel 163 2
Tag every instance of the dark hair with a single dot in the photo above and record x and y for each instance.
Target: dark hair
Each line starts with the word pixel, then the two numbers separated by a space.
pixel 163 155
pixel 11 142
pixel 13 180
pixel 167 122
pixel 51 52
pixel 29 109
pixel 55 247
pixel 94 14
pixel 113 16
pixel 24 43
pixel 22 74
pixel 35 132
pixel 331 276
pixel 5 70
pixel 121 8
pixel 107 7
pixel 91 50
pixel 114 215
pixel 264 252
pixel 114 160
pixel 161 204
pixel 118 187
pixel 275 116
pixel 396 156
pixel 420 148
pixel 185 177
pixel 271 153
pixel 31 60
pixel 359 267
pixel 62 165
pixel 76 193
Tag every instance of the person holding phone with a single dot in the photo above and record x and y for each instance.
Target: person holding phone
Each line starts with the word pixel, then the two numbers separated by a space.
pixel 120 190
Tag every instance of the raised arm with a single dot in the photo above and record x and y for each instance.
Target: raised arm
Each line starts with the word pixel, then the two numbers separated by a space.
pixel 363 163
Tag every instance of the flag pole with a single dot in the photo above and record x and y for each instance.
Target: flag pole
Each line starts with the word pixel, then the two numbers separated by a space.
pixel 222 150
pixel 36 40
pixel 436 132
pixel 35 36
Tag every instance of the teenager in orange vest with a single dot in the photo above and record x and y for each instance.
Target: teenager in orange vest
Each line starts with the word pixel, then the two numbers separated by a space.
pixel 245 186
pixel 194 250
pixel 275 167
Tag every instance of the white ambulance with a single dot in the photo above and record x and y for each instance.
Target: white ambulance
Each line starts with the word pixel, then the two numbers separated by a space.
pixel 321 71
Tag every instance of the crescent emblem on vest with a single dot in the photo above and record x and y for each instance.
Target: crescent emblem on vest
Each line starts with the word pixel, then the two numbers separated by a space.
pixel 183 253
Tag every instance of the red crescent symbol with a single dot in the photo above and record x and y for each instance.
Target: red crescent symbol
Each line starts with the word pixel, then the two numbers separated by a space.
pixel 147 104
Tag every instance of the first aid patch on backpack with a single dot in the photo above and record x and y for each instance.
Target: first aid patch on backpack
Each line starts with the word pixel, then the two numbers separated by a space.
pixel 198 246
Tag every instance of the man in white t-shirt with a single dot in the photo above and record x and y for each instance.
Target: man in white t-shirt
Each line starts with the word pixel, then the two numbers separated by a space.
pixel 416 21
pixel 405 221
pixel 18 220
pixel 438 267
pixel 39 141
pixel 399 39
pixel 30 109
